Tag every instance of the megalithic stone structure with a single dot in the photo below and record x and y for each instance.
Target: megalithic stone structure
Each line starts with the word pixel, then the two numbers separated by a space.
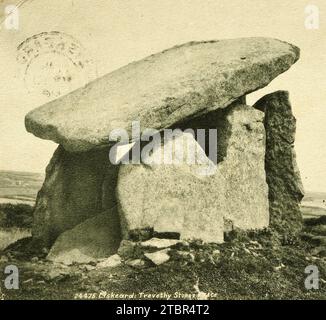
pixel 198 85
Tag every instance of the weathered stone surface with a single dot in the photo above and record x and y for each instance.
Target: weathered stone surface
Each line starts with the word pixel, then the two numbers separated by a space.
pixel 162 89
pixel 77 186
pixel 174 198
pixel 137 263
pixel 72 256
pixel 241 158
pixel 283 177
pixel 97 237
pixel 159 243
pixel 178 198
pixel 158 257
pixel 243 168
pixel 111 262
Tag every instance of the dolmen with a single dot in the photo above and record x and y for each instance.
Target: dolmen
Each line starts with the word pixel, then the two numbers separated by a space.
pixel 168 146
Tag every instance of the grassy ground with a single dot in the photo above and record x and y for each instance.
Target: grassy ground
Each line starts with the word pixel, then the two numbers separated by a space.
pixel 16 216
pixel 247 266
pixel 15 223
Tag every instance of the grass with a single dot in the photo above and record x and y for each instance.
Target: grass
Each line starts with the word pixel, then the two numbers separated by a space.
pixel 249 265
pixel 16 216
pixel 15 223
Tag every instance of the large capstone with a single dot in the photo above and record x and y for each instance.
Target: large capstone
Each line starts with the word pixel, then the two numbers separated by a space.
pixel 162 89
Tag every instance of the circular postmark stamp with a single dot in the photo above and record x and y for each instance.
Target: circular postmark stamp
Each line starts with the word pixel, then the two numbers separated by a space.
pixel 53 63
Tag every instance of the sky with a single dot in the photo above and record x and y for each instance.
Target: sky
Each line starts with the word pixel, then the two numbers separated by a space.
pixel 113 33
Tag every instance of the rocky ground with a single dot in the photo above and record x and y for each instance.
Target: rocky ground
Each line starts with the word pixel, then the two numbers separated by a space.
pixel 247 266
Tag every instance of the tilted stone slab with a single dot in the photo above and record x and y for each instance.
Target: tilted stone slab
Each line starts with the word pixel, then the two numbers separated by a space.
pixel 76 187
pixel 95 238
pixel 162 89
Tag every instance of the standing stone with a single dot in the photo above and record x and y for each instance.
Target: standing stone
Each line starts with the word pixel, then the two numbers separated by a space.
pixel 241 158
pixel 77 186
pixel 283 177
pixel 175 198
pixel 243 168
pixel 172 198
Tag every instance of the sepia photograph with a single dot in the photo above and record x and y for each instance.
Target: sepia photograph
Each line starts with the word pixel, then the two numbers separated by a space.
pixel 162 151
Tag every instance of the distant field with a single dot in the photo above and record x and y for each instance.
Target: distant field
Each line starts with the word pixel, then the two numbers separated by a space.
pixel 19 187
pixel 310 212
pixel 313 204
pixel 315 199
pixel 315 195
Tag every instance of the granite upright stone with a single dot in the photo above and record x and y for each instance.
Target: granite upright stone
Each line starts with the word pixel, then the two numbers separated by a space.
pixel 282 173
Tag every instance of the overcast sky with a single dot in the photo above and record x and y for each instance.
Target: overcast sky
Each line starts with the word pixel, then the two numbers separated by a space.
pixel 114 33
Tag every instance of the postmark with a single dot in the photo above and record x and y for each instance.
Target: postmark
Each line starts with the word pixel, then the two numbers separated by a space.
pixel 53 63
